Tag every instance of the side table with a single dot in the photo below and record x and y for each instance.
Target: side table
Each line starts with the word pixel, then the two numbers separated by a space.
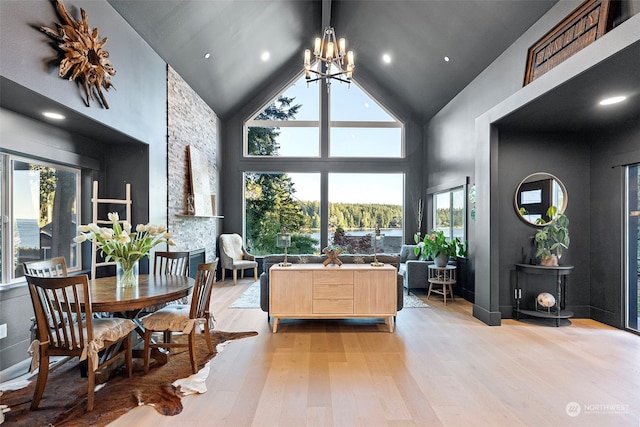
pixel 442 276
pixel 558 273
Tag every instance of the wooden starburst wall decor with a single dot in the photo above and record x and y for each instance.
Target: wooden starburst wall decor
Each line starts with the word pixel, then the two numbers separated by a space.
pixel 83 57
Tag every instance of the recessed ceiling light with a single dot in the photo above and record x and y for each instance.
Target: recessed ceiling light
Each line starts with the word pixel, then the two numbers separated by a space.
pixel 386 58
pixel 54 116
pixel 447 59
pixel 612 100
pixel 265 56
pixel 207 55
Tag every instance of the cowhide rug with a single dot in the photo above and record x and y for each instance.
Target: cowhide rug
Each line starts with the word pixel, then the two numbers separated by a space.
pixel 65 396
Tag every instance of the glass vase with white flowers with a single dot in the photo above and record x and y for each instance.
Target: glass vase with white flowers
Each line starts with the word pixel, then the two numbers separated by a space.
pixel 124 246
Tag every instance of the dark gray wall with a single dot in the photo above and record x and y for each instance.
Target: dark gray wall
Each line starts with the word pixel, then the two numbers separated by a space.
pixel 126 143
pixel 449 140
pixel 566 157
pixel 465 134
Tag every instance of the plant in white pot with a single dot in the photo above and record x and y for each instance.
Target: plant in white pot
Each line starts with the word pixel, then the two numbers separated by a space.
pixel 436 246
pixel 552 238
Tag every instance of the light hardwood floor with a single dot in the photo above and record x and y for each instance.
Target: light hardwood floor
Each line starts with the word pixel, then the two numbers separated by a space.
pixel 441 367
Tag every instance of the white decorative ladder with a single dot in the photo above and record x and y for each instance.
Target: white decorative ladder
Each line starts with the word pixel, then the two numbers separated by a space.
pixel 96 201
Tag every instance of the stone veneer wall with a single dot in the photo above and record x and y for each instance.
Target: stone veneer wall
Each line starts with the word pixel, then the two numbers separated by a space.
pixel 190 121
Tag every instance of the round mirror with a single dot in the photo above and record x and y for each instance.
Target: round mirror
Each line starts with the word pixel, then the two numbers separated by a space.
pixel 536 194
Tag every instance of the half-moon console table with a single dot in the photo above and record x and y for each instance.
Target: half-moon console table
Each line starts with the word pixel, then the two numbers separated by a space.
pixel 560 273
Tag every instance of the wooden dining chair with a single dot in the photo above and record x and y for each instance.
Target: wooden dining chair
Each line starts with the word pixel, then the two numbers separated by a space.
pixel 62 306
pixel 176 263
pixel 53 267
pixel 185 318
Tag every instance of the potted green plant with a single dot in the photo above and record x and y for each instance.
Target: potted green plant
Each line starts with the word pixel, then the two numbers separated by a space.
pixel 436 246
pixel 552 238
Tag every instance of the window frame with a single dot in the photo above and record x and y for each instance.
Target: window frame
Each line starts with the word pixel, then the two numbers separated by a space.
pixel 450 189
pixel 7 161
pixel 324 125
pixel 324 163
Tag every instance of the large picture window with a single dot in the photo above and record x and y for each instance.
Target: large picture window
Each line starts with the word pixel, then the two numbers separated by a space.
pixel 303 143
pixel 41 202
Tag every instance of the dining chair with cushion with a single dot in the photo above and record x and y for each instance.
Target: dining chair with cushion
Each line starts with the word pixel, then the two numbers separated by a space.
pixel 234 257
pixel 62 306
pixel 184 318
pixel 53 267
pixel 175 263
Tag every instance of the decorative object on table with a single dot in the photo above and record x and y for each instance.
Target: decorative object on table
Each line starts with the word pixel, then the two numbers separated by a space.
pixel 436 246
pixel 124 246
pixel 332 254
pixel 545 300
pixel 84 58
pixel 330 63
pixel 552 238
pixel 283 240
pixel 580 28
pixel 376 239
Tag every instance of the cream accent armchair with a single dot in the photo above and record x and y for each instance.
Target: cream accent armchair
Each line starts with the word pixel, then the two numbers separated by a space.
pixel 233 256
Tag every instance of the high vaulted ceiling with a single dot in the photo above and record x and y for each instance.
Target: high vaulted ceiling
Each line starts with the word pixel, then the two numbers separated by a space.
pixel 417 34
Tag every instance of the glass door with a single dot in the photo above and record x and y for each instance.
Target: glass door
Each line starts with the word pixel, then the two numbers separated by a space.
pixel 633 247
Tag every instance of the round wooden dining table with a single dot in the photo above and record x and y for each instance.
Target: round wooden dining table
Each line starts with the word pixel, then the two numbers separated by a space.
pixel 152 289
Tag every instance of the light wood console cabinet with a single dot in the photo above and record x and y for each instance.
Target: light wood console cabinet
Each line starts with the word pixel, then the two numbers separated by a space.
pixel 313 291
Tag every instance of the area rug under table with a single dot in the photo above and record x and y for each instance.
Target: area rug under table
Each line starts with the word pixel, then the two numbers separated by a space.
pixel 65 397
pixel 251 299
